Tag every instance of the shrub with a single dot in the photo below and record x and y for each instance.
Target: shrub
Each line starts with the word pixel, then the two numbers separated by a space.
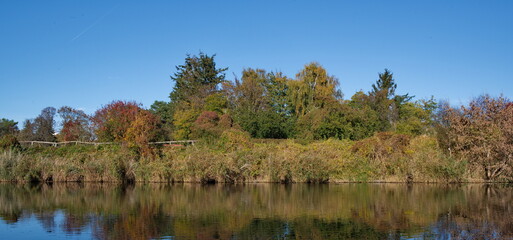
pixel 233 139
pixel 9 142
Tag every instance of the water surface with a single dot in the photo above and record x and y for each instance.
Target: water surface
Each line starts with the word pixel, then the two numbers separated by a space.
pixel 256 211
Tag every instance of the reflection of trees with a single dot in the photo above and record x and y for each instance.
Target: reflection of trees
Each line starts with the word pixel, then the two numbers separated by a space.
pixel 47 220
pixel 264 229
pixel 264 211
pixel 142 222
pixel 341 229
pixel 10 216
pixel 486 214
pixel 458 229
pixel 74 223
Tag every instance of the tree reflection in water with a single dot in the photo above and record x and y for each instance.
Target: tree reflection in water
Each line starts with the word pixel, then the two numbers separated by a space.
pixel 264 211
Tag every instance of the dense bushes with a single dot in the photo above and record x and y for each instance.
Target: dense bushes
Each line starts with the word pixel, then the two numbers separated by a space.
pixel 9 142
pixel 481 133
pixel 235 157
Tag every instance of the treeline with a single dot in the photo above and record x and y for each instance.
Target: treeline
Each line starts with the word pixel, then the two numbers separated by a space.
pixel 269 105
pixel 272 105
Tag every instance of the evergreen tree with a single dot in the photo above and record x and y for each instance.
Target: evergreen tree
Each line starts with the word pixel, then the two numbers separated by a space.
pixel 198 75
pixel 385 85
pixel 27 132
pixel 195 81
pixel 8 127
pixel 385 102
pixel 165 112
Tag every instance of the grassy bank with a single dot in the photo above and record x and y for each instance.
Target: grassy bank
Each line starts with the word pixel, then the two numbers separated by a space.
pixel 237 158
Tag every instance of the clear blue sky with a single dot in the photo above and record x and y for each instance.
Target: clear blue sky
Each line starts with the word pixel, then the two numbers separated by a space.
pixel 85 54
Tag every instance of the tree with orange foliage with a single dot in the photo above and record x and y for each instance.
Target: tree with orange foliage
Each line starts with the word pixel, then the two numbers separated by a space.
pixel 112 121
pixel 142 130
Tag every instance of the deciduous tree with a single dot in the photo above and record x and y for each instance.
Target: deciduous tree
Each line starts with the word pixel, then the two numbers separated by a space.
pixel 112 121
pixel 416 118
pixel 142 130
pixel 44 124
pixel 313 88
pixel 76 125
pixel 315 98
pixel 482 133
pixel 260 104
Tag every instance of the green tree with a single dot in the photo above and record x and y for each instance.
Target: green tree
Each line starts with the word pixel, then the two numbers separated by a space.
pixel 363 119
pixel 316 100
pixel 183 122
pixel 198 76
pixel 40 128
pixel 8 127
pixel 385 85
pixel 8 130
pixel 216 102
pixel 9 142
pixel 385 102
pixel 277 91
pixel 416 118
pixel 313 88
pixel 165 111
pixel 195 81
pixel 259 103
pixel 28 130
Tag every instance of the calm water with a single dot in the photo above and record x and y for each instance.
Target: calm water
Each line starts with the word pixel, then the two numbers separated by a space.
pixel 256 211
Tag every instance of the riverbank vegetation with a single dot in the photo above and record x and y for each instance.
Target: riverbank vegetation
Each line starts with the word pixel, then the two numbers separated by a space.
pixel 237 158
pixel 268 127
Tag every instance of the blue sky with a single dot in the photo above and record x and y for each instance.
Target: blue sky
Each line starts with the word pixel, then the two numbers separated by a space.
pixel 85 54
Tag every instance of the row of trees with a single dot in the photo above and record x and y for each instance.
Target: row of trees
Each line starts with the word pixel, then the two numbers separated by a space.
pixel 272 105
pixel 118 121
pixel 264 104
pixel 204 104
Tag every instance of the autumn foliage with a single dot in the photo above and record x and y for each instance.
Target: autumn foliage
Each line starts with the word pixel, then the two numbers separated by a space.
pixel 142 130
pixel 76 125
pixel 126 122
pixel 482 133
pixel 209 123
pixel 113 120
pixel 380 127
